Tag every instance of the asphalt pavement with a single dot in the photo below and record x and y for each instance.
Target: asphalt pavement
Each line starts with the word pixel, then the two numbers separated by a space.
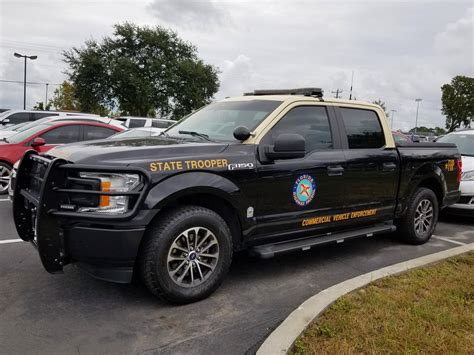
pixel 74 313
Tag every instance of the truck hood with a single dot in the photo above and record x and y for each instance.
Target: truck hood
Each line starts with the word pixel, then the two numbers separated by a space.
pixel 136 151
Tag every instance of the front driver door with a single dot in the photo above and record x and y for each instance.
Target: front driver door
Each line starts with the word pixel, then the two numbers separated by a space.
pixel 295 196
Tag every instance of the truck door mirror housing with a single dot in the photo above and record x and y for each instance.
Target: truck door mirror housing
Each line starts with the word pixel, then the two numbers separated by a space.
pixel 242 133
pixel 38 141
pixel 287 146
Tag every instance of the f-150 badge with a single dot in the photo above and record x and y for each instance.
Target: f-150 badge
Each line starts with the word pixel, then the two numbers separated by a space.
pixel 304 190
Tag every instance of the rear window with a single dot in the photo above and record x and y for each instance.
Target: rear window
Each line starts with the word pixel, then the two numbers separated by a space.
pixel 161 124
pixel 363 128
pixel 134 123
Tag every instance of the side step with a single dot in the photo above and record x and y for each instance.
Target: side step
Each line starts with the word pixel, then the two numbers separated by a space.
pixel 270 250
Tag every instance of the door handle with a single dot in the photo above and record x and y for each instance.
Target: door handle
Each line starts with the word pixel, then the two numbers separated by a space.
pixel 335 170
pixel 389 166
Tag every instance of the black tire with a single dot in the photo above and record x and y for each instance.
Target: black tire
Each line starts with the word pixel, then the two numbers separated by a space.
pixel 170 229
pixel 5 169
pixel 409 227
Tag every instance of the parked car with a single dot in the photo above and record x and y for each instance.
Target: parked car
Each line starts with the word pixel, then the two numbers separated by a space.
pixel 465 143
pixel 401 138
pixel 45 136
pixel 268 172
pixel 13 117
pixel 137 122
pixel 20 127
pixel 137 132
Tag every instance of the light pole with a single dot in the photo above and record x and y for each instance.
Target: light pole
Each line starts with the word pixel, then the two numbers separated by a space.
pixel 46 99
pixel 417 107
pixel 32 57
pixel 393 115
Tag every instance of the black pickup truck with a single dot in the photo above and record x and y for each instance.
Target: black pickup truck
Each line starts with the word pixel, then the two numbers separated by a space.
pixel 269 172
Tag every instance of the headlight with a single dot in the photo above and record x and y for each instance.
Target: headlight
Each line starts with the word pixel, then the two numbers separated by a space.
pixel 467 176
pixel 112 182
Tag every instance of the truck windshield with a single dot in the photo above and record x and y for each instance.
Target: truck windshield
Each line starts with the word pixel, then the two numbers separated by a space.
pixel 464 142
pixel 218 121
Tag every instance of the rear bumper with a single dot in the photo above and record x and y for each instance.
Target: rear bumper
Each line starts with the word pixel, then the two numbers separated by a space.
pixel 451 198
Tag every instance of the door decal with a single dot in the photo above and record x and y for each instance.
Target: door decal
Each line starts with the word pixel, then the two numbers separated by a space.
pixel 304 190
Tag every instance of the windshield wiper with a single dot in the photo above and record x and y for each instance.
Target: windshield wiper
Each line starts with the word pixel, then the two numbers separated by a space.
pixel 5 140
pixel 163 133
pixel 195 134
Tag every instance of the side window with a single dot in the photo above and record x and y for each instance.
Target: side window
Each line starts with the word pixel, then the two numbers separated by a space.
pixel 311 122
pixel 160 124
pixel 20 117
pixel 37 116
pixel 63 135
pixel 363 128
pixel 92 132
pixel 134 123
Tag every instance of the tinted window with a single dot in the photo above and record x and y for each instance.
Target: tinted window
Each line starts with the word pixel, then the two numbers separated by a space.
pixel 37 116
pixel 63 135
pixel 19 117
pixel 160 124
pixel 136 123
pixel 219 120
pixel 309 121
pixel 363 128
pixel 464 142
pixel 91 132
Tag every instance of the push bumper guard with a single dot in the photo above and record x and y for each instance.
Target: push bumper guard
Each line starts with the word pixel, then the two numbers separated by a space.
pixel 42 199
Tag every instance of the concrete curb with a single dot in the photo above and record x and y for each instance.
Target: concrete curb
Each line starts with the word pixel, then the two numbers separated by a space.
pixel 283 337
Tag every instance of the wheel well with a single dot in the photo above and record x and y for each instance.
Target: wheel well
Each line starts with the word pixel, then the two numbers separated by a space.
pixel 5 162
pixel 434 186
pixel 216 204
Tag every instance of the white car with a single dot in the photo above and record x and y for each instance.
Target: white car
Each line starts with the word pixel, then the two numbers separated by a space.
pixel 137 122
pixel 13 117
pixel 465 143
pixel 10 131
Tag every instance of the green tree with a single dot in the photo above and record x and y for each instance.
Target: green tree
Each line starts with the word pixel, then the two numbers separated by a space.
pixel 382 105
pixel 64 98
pixel 141 71
pixel 40 106
pixel 458 102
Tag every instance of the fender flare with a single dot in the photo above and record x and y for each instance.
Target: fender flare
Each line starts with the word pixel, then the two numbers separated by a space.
pixel 188 183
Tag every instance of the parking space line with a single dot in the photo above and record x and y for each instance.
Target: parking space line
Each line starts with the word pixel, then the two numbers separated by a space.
pixel 8 241
pixel 448 240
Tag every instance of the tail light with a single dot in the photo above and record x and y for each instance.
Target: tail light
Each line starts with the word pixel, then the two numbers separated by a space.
pixel 459 165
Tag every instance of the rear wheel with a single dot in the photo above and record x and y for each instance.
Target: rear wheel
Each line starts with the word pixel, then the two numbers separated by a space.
pixel 421 217
pixel 186 254
pixel 5 174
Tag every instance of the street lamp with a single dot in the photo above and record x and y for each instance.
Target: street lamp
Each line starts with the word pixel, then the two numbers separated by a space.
pixel 32 57
pixel 393 115
pixel 417 107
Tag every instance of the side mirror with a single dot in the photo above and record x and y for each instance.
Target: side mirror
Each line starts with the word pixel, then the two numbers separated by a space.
pixel 5 121
pixel 287 146
pixel 38 141
pixel 242 133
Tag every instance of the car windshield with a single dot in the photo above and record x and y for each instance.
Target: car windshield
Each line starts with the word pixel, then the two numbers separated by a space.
pixel 218 121
pixel 131 133
pixel 21 136
pixel 464 142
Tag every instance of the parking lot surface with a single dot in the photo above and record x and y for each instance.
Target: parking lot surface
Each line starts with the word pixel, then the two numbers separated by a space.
pixel 74 313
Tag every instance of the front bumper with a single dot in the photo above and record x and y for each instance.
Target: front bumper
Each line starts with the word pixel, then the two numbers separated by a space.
pixel 106 244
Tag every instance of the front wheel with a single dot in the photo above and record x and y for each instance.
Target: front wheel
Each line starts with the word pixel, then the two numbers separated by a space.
pixel 5 174
pixel 186 254
pixel 421 217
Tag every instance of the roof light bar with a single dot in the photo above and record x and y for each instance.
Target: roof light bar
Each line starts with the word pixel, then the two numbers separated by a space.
pixel 316 92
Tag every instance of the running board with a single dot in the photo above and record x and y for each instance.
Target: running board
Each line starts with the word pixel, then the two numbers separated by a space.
pixel 269 250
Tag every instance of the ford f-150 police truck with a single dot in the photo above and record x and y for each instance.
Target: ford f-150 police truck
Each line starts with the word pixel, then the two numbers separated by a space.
pixel 270 172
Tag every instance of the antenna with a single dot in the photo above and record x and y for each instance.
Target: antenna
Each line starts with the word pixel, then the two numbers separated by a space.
pixel 352 82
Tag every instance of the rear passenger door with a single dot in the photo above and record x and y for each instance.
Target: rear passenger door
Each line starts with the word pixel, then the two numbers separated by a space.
pixel 96 132
pixel 372 166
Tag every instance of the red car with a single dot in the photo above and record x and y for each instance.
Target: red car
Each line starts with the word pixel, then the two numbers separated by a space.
pixel 45 136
